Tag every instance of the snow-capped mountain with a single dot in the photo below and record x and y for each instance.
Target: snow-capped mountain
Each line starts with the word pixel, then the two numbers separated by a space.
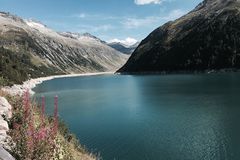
pixel 60 52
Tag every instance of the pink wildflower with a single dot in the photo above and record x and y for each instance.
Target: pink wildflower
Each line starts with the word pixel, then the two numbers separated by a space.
pixel 43 110
pixel 41 134
pixel 55 115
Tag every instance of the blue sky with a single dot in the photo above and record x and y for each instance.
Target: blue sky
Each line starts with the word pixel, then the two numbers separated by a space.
pixel 106 19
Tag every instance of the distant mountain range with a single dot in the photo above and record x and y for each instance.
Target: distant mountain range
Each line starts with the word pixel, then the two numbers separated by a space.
pixel 207 38
pixel 50 52
pixel 126 49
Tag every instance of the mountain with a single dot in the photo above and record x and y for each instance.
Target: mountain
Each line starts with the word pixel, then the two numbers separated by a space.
pixel 42 51
pixel 207 38
pixel 123 48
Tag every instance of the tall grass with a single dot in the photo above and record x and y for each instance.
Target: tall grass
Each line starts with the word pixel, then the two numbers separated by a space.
pixel 37 136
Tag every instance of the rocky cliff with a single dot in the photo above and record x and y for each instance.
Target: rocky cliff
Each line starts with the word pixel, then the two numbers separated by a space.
pixel 5 115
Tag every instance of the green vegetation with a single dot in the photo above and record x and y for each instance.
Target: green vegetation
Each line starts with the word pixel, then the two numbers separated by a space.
pixel 16 68
pixel 2 81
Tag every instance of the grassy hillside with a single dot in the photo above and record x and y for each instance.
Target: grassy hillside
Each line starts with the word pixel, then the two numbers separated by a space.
pixel 17 67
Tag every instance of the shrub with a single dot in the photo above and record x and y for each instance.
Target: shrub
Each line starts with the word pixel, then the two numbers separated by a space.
pixel 2 82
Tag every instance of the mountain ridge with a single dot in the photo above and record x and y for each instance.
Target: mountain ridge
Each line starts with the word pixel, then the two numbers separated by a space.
pixel 126 49
pixel 49 50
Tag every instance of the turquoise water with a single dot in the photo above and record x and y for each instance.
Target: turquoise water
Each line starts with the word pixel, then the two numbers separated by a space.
pixel 172 117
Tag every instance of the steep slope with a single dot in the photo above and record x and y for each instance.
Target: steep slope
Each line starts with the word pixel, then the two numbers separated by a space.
pixel 123 48
pixel 16 68
pixel 59 52
pixel 207 38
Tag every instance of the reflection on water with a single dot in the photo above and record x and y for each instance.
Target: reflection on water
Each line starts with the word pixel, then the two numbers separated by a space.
pixel 174 117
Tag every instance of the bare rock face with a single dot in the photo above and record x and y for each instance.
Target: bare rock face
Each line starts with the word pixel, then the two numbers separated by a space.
pixel 3 131
pixel 5 114
pixel 5 108
pixel 207 38
pixel 4 155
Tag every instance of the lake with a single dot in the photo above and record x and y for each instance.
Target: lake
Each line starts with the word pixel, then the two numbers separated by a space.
pixel 158 117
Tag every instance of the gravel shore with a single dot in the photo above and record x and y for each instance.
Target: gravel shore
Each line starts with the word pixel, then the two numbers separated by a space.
pixel 30 84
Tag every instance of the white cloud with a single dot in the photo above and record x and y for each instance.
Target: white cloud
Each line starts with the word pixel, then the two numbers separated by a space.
pixel 131 23
pixel 139 22
pixel 128 41
pixel 94 16
pixel 94 29
pixel 82 15
pixel 174 15
pixel 106 27
pixel 144 2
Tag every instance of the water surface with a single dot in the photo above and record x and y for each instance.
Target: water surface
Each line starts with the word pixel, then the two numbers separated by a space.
pixel 173 117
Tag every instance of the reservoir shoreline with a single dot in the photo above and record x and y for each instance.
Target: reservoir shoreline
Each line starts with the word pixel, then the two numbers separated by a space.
pixel 19 89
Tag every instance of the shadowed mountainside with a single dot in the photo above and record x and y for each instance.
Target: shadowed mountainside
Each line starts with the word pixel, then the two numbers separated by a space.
pixel 207 38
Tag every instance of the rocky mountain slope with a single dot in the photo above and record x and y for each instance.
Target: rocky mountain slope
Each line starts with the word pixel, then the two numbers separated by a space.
pixel 50 52
pixel 207 38
pixel 124 48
